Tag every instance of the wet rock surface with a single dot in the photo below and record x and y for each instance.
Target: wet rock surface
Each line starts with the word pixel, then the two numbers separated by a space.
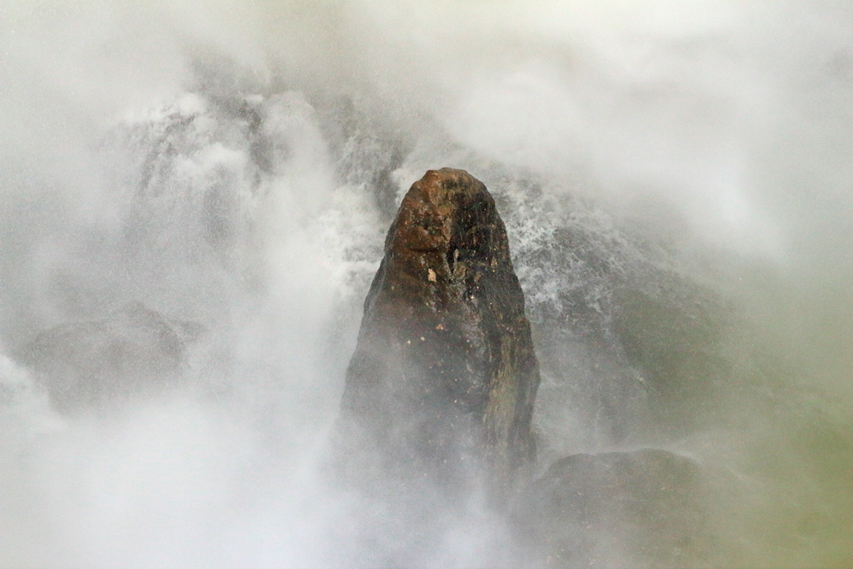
pixel 441 389
pixel 92 363
pixel 620 509
pixel 443 379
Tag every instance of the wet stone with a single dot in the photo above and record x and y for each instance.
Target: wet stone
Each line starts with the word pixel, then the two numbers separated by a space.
pixel 646 508
pixel 443 379
pixel 93 364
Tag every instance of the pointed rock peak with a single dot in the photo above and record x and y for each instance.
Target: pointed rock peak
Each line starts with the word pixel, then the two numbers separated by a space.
pixel 444 376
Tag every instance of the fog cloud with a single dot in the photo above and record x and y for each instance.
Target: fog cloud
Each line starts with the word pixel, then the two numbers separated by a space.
pixel 234 164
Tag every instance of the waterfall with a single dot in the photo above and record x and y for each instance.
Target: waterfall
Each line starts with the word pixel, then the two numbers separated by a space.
pixel 216 180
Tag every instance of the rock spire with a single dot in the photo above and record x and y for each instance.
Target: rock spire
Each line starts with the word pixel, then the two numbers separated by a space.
pixel 444 376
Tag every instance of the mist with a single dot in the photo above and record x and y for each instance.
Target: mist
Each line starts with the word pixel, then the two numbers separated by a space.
pixel 677 186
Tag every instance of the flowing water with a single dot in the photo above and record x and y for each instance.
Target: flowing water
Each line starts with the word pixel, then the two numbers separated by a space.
pixel 677 184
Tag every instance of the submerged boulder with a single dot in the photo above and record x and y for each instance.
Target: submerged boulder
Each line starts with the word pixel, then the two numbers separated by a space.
pixel 444 376
pixel 91 363
pixel 646 508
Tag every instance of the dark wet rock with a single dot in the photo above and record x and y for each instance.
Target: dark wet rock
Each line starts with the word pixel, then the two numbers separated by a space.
pixel 620 509
pixel 444 376
pixel 89 364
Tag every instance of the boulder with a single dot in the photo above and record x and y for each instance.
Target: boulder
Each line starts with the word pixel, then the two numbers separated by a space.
pixel 443 379
pixel 646 508
pixel 92 363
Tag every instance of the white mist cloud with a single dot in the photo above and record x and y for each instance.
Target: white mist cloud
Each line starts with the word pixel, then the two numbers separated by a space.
pixel 736 116
pixel 656 95
pixel 688 103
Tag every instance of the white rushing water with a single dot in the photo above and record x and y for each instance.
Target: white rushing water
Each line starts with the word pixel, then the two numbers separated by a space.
pixel 677 184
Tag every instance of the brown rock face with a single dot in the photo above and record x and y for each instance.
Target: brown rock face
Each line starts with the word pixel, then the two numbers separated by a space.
pixel 444 375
